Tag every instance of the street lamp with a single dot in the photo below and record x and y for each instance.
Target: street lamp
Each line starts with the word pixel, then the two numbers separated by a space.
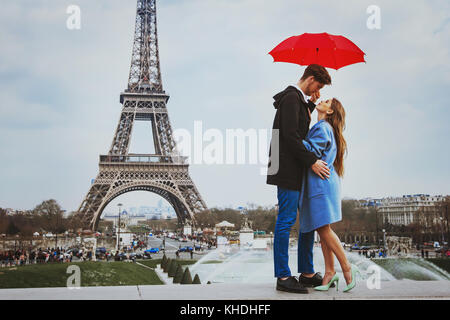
pixel 118 231
pixel 446 217
pixel 376 225
pixel 164 243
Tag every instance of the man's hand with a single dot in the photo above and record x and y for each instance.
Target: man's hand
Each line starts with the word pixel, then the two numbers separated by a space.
pixel 314 96
pixel 320 168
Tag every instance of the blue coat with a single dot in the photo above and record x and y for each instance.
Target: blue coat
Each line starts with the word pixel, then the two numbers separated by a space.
pixel 320 200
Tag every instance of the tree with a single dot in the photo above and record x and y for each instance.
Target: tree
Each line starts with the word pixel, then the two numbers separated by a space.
pixel 163 261
pixel 25 223
pixel 163 224
pixel 104 226
pixel 172 268
pixel 196 280
pixel 187 278
pixel 444 217
pixel 166 266
pixel 51 216
pixel 74 222
pixel 4 221
pixel 12 228
pixel 178 274
pixel 263 218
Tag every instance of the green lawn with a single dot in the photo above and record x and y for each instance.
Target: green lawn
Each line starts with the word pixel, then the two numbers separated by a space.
pixel 92 274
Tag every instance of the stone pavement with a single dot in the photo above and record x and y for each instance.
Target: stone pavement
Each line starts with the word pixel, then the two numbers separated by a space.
pixel 399 289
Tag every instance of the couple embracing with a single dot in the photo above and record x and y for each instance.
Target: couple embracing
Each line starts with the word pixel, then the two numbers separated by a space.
pixel 308 181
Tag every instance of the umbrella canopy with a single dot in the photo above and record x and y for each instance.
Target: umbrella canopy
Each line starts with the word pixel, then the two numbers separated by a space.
pixel 225 224
pixel 324 49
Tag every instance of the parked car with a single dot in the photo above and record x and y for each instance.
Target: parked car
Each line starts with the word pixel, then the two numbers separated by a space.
pixel 135 255
pixel 186 249
pixel 121 256
pixel 146 255
pixel 152 250
pixel 100 250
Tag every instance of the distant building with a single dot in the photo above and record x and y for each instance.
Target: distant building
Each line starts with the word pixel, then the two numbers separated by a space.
pixel 136 215
pixel 420 208
pixel 370 203
pixel 11 212
pixel 157 212
pixel 125 219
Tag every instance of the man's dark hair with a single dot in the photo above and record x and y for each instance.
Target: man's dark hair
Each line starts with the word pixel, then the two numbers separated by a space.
pixel 319 73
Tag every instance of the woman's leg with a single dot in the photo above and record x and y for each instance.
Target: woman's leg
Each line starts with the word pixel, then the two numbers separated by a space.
pixel 328 258
pixel 334 244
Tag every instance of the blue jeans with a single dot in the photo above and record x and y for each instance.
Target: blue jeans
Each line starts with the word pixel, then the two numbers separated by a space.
pixel 287 215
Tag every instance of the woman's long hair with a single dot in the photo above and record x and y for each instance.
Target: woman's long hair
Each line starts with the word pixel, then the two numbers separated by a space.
pixel 337 121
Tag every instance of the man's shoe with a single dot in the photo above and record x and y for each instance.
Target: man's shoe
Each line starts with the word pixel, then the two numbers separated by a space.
pixel 291 284
pixel 314 281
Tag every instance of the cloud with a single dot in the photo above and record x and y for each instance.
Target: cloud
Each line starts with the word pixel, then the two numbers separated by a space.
pixel 60 90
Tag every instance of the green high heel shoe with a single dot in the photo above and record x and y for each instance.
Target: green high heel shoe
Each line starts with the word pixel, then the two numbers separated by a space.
pixel 351 285
pixel 327 286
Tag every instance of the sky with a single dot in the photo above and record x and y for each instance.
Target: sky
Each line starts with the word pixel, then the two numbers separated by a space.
pixel 60 89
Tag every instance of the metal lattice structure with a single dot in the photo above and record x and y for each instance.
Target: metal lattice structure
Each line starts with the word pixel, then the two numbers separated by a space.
pixel 164 173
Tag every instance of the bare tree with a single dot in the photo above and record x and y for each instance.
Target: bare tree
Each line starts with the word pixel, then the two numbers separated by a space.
pixel 51 216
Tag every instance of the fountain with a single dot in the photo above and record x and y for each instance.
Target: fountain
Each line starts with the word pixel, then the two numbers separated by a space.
pixel 231 264
pixel 398 246
pixel 413 268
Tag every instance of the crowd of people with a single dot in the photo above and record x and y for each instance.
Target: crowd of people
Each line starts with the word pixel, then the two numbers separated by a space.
pixel 202 239
pixel 46 255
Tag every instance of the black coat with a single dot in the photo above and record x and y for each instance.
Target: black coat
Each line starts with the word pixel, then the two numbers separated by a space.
pixel 293 120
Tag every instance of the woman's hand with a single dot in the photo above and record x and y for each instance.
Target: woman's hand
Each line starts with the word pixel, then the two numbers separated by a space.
pixel 320 168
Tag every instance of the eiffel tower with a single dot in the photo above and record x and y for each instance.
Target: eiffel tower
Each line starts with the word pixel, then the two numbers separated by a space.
pixel 164 173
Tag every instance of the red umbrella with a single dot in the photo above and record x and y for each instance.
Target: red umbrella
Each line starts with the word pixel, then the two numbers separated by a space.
pixel 324 49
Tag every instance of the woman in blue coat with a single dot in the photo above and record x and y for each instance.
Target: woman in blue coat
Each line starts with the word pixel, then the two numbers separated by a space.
pixel 320 199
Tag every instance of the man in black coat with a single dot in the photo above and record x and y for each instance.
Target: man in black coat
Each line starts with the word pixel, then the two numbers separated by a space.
pixel 288 162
